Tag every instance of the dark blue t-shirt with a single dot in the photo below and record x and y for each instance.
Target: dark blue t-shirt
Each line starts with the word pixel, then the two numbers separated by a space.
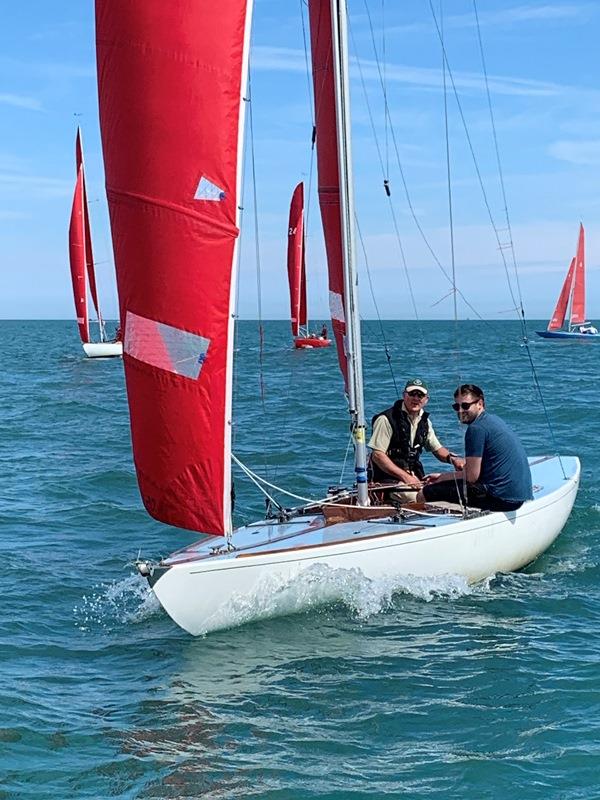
pixel 505 470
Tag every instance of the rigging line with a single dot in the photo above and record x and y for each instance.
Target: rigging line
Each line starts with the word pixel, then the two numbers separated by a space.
pixel 261 334
pixel 382 331
pixel 310 98
pixel 497 150
pixel 474 157
pixel 449 182
pixel 521 309
pixel 462 499
pixel 241 241
pixel 384 59
pixel 255 480
pixel 308 199
pixel 405 184
pixel 257 253
pixel 390 204
pixel 348 447
pixel 261 481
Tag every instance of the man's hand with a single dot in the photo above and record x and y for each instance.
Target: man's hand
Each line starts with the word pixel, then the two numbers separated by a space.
pixel 411 480
pixel 457 462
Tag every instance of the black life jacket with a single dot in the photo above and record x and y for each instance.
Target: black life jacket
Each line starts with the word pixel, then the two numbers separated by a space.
pixel 400 450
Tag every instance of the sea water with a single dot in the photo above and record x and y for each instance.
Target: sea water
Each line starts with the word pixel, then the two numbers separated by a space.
pixel 411 688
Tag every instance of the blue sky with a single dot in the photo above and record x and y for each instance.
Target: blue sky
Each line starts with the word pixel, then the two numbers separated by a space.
pixel 542 62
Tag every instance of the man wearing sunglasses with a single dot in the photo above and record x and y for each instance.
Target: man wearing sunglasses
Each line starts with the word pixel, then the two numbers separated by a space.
pixel 400 434
pixel 496 473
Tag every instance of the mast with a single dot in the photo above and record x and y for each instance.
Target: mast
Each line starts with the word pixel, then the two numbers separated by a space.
pixel 339 37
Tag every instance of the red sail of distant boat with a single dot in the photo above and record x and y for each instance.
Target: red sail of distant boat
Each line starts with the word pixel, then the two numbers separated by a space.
pixel 89 255
pixel 295 261
pixel 171 85
pixel 578 302
pixel 560 312
pixel 328 170
pixel 573 291
pixel 77 258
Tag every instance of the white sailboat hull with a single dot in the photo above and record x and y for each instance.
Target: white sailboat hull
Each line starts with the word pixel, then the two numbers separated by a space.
pixel 276 569
pixel 103 349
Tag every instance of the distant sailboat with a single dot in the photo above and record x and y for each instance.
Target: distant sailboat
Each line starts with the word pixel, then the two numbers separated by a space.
pixel 82 268
pixel 296 266
pixel 572 295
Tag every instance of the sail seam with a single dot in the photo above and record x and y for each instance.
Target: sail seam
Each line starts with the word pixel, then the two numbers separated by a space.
pixel 231 231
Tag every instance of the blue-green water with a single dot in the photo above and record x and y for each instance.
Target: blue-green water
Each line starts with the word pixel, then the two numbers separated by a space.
pixel 438 691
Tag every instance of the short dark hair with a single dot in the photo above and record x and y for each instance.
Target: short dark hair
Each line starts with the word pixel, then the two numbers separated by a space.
pixel 470 388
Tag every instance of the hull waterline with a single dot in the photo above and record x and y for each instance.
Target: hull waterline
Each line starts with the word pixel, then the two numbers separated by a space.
pixel 103 349
pixel 310 342
pixel 566 336
pixel 283 568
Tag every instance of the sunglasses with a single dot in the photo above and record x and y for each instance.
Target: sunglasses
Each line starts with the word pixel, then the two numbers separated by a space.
pixel 416 393
pixel 463 406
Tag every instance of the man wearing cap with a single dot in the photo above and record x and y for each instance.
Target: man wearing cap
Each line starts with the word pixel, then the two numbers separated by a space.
pixel 496 473
pixel 400 434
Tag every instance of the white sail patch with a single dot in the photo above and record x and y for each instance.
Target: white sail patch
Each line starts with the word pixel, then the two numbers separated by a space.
pixel 164 346
pixel 207 190
pixel 336 307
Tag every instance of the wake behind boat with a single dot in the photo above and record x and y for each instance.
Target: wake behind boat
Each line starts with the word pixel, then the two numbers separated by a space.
pixel 571 303
pixel 83 274
pixel 174 191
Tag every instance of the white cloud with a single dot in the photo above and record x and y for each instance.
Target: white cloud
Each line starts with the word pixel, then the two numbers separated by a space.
pixel 280 59
pixel 20 101
pixel 577 152
pixel 36 185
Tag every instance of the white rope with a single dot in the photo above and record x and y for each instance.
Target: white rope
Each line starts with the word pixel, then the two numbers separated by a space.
pixel 258 481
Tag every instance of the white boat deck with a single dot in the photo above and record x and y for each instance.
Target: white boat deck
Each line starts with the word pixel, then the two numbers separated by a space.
pixel 310 530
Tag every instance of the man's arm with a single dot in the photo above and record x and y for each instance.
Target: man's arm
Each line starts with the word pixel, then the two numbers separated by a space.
pixel 471 472
pixel 443 454
pixel 473 468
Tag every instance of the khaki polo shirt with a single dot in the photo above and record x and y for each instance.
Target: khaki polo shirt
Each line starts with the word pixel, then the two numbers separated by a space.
pixel 382 433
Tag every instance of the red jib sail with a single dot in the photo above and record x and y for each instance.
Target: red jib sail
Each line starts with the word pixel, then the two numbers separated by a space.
pixel 171 80
pixel 77 258
pixel 89 255
pixel 578 303
pixel 295 261
pixel 327 165
pixel 558 317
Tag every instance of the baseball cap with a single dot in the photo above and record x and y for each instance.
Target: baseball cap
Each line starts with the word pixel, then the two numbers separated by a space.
pixel 418 384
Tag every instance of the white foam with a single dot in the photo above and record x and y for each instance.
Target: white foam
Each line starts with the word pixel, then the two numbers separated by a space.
pixel 320 586
pixel 128 600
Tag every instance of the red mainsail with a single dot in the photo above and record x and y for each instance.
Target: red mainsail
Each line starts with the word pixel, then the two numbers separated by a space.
pixel 295 261
pixel 77 258
pixel 89 255
pixel 327 165
pixel 171 80
pixel 578 303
